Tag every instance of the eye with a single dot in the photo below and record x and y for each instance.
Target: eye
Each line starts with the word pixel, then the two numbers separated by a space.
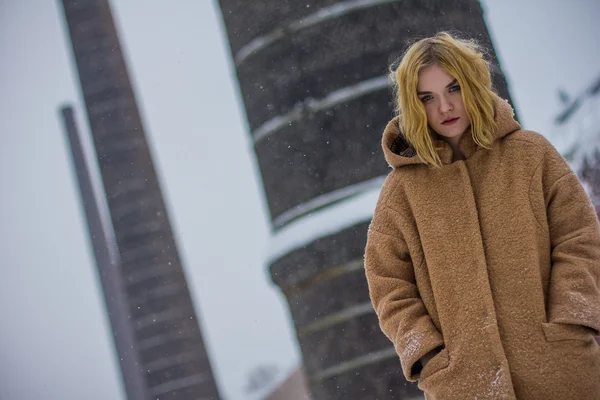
pixel 454 88
pixel 426 98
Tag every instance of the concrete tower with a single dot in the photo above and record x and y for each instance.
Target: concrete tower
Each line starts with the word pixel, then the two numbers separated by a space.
pixel 313 79
pixel 167 337
pixel 107 263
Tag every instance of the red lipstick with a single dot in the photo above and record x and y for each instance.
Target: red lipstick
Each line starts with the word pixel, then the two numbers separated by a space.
pixel 450 121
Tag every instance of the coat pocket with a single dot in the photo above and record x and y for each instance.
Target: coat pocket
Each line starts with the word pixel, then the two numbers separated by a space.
pixel 438 363
pixel 557 332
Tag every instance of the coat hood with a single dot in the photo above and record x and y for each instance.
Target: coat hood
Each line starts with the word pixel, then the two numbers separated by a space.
pixel 399 153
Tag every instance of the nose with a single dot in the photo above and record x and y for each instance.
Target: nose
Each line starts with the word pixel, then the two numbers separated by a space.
pixel 445 105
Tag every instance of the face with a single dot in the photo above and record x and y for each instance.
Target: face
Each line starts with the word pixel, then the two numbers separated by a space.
pixel 440 94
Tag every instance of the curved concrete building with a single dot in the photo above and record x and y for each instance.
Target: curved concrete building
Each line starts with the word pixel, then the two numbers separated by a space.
pixel 313 79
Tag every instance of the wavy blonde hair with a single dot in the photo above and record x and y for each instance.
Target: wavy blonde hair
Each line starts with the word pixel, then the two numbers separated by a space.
pixel 464 60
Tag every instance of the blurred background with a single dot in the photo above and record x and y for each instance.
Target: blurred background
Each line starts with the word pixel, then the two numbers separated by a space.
pixel 254 236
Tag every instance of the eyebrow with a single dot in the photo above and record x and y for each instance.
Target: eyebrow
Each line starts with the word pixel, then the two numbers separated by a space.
pixel 447 86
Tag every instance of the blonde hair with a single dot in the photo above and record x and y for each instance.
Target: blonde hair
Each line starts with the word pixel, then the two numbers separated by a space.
pixel 464 60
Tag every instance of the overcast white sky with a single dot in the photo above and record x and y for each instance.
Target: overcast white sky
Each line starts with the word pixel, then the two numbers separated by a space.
pixel 54 335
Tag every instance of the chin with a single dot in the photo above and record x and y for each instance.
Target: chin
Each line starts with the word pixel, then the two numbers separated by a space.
pixel 451 134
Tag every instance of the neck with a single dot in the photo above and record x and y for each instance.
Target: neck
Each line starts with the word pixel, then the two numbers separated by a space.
pixel 453 142
pixel 457 155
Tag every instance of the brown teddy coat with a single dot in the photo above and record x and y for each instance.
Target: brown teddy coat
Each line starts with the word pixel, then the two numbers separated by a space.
pixel 495 259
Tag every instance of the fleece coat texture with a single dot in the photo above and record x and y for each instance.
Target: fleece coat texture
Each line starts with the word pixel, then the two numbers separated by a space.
pixel 495 260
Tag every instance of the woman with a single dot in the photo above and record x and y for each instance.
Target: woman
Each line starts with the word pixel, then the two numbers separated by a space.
pixel 483 256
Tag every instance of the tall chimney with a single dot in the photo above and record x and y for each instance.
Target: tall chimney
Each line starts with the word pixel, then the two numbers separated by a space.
pixel 313 78
pixel 108 266
pixel 166 331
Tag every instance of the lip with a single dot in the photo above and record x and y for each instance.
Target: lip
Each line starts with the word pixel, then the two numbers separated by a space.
pixel 450 121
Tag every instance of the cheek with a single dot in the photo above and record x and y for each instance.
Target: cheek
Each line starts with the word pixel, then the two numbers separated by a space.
pixel 430 114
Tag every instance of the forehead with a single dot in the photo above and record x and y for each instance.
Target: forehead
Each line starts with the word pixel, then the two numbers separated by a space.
pixel 433 77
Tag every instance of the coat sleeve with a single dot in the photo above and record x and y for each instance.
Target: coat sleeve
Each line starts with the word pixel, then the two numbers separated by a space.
pixel 574 231
pixel 402 315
